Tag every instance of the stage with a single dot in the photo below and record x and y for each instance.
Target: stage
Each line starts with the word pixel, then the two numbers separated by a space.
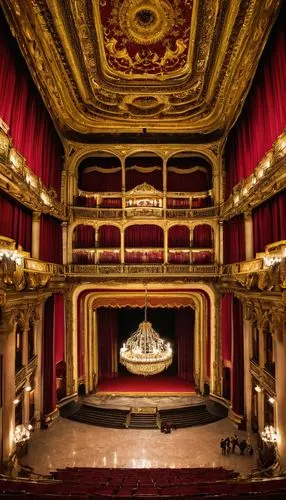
pixel 156 385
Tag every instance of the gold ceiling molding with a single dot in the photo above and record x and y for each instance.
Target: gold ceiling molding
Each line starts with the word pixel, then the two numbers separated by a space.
pixel 121 66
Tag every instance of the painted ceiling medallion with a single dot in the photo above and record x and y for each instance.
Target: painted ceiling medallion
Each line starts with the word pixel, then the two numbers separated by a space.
pixel 146 21
pixel 146 38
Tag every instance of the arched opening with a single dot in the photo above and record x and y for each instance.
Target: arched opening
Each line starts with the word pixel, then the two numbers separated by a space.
pixel 144 243
pixel 144 167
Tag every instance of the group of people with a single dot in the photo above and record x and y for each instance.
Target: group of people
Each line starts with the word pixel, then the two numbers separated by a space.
pixel 229 445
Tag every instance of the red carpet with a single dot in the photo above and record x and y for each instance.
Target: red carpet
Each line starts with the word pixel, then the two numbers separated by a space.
pixel 152 385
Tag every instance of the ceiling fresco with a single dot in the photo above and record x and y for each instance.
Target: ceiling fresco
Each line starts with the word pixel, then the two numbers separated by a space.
pixel 123 66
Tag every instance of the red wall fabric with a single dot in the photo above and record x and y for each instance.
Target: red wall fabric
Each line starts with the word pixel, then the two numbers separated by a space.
pixel 269 222
pixel 263 117
pixel 15 221
pixel 144 235
pixel 22 108
pixel 84 236
pixel 191 182
pixel 237 390
pixel 107 327
pixel 234 240
pixel 51 246
pixel 49 365
pixel 59 327
pixel 109 236
pixel 202 236
pixel 100 182
pixel 135 178
pixel 226 326
pixel 179 236
pixel 184 327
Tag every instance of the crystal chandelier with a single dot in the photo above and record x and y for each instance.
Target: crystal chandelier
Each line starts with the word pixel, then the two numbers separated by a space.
pixel 145 353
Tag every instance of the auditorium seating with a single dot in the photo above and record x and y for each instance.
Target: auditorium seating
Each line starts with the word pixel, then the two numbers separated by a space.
pixel 95 484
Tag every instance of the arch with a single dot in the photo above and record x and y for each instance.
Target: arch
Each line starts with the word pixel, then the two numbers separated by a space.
pixel 144 236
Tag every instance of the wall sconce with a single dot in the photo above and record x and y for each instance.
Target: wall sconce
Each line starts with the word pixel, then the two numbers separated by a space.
pixel 257 388
pixel 271 400
pixel 16 401
pixel 27 386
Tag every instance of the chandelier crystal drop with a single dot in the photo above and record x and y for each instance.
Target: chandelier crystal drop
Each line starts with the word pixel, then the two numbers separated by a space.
pixel 145 353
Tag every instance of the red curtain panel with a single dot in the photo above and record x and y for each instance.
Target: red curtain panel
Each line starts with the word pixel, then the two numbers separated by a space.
pixel 100 182
pixel 15 221
pixel 50 239
pixel 269 222
pixel 144 235
pixel 237 390
pixel 135 178
pixel 263 117
pixel 185 327
pixel 202 236
pixel 107 327
pixel 109 236
pixel 226 326
pixel 84 236
pixel 179 236
pixel 21 107
pixel 49 365
pixel 234 240
pixel 59 327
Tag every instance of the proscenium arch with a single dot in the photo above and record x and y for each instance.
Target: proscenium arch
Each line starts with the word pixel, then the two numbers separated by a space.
pixel 111 287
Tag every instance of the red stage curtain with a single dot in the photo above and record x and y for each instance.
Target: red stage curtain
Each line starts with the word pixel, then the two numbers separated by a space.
pixel 264 113
pixel 234 240
pixel 203 236
pixel 179 258
pixel 84 236
pixel 49 365
pixel 191 182
pixel 226 326
pixel 109 257
pixel 22 108
pixel 100 182
pixel 109 236
pixel 179 236
pixel 51 247
pixel 107 327
pixel 144 235
pixel 135 178
pixel 184 327
pixel 269 222
pixel 15 221
pixel 80 335
pixel 237 392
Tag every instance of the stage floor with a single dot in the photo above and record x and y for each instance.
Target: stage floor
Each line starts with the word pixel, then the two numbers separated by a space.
pixel 126 401
pixel 149 386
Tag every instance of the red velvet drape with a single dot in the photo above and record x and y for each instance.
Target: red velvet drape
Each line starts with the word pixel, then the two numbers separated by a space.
pixel 202 236
pixel 80 335
pixel 237 389
pixel 142 257
pixel 202 257
pixel 83 257
pixel 179 236
pixel 109 236
pixel 179 257
pixel 184 327
pixel 195 181
pixel 178 203
pixel 107 327
pixel 269 222
pixel 22 108
pixel 100 182
pixel 234 240
pixel 51 247
pixel 49 365
pixel 135 178
pixel 15 221
pixel 111 203
pixel 109 257
pixel 226 326
pixel 144 235
pixel 264 113
pixel 84 236
pixel 59 327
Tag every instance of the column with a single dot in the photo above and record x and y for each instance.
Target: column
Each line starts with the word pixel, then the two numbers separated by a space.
pixel 96 245
pixel 248 229
pixel 36 224
pixel 65 242
pixel 164 186
pixel 220 252
pixel 71 191
pixel 165 246
pixel 26 398
pixel 38 335
pixel 7 349
pixel 247 333
pixel 122 246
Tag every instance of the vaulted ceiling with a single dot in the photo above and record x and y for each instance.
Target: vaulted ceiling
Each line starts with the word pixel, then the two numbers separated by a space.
pixel 165 66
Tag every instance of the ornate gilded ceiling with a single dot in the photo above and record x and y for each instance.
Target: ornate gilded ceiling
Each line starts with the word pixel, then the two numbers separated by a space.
pixel 175 66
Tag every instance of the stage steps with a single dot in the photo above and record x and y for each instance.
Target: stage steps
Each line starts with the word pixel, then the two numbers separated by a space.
pixel 102 417
pixel 188 416
pixel 143 421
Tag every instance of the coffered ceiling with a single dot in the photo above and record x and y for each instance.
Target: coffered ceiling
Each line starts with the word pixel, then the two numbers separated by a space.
pixel 123 66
